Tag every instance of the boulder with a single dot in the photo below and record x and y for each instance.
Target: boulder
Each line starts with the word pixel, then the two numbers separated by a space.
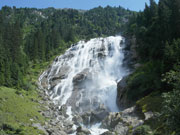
pixel 111 121
pixel 44 83
pixel 121 128
pixel 54 83
pixel 108 133
pixel 68 55
pixel 40 127
pixel 95 116
pixel 77 120
pixel 121 121
pixel 99 114
pixel 62 74
pixel 101 55
pixel 70 131
pixel 82 79
pixel 82 131
pixel 86 118
pixel 57 132
pixel 62 110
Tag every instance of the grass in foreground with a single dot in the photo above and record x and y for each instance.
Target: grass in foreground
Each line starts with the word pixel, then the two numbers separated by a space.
pixel 18 110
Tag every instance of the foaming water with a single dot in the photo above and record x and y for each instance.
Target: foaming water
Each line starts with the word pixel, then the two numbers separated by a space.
pixel 85 77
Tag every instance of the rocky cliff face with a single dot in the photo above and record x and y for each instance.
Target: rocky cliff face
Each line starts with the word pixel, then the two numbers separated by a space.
pixel 130 61
pixel 84 81
pixel 83 89
pixel 122 99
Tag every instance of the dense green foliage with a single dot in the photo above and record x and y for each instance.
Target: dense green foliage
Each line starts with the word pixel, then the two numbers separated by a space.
pixel 157 33
pixel 171 106
pixel 35 35
pixel 142 130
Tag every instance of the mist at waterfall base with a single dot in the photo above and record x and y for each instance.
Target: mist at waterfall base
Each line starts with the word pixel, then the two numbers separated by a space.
pixel 87 74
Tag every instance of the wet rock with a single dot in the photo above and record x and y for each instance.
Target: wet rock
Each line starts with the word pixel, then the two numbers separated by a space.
pixel 94 116
pixel 99 114
pixel 62 74
pixel 108 133
pixel 81 76
pixel 44 83
pixel 102 48
pixel 111 120
pixel 68 55
pixel 82 80
pixel 56 59
pixel 86 118
pixel 82 131
pixel 122 97
pixel 54 83
pixel 77 120
pixel 62 111
pixel 101 55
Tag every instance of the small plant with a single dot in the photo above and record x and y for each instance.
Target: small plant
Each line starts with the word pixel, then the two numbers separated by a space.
pixel 142 130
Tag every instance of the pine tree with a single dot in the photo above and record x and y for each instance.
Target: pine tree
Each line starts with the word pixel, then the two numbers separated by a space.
pixel 2 64
pixel 175 18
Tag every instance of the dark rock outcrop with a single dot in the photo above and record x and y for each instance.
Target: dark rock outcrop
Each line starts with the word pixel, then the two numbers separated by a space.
pixel 82 131
pixel 81 77
pixel 82 80
pixel 122 97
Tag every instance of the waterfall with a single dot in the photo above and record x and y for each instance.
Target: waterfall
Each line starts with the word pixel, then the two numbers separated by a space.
pixel 85 77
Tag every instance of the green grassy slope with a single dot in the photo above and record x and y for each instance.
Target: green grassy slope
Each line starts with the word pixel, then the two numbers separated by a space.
pixel 18 110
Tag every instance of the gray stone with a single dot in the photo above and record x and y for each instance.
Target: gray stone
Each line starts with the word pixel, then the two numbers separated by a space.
pixel 44 83
pixel 38 126
pixel 101 55
pixel 111 121
pixel 82 80
pixel 148 115
pixel 62 110
pixel 70 131
pixel 59 133
pixel 99 114
pixel 77 120
pixel 121 128
pixel 119 122
pixel 80 77
pixel 62 74
pixel 108 133
pixel 82 131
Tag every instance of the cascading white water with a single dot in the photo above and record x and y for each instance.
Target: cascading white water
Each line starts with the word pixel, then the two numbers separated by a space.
pixel 86 76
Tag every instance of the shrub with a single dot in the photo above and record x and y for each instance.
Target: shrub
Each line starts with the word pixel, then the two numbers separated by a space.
pixel 142 130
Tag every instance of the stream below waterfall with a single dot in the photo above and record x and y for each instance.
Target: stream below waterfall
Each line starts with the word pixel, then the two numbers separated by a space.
pixel 83 82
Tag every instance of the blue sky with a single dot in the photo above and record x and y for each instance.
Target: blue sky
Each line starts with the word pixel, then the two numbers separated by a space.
pixel 135 5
